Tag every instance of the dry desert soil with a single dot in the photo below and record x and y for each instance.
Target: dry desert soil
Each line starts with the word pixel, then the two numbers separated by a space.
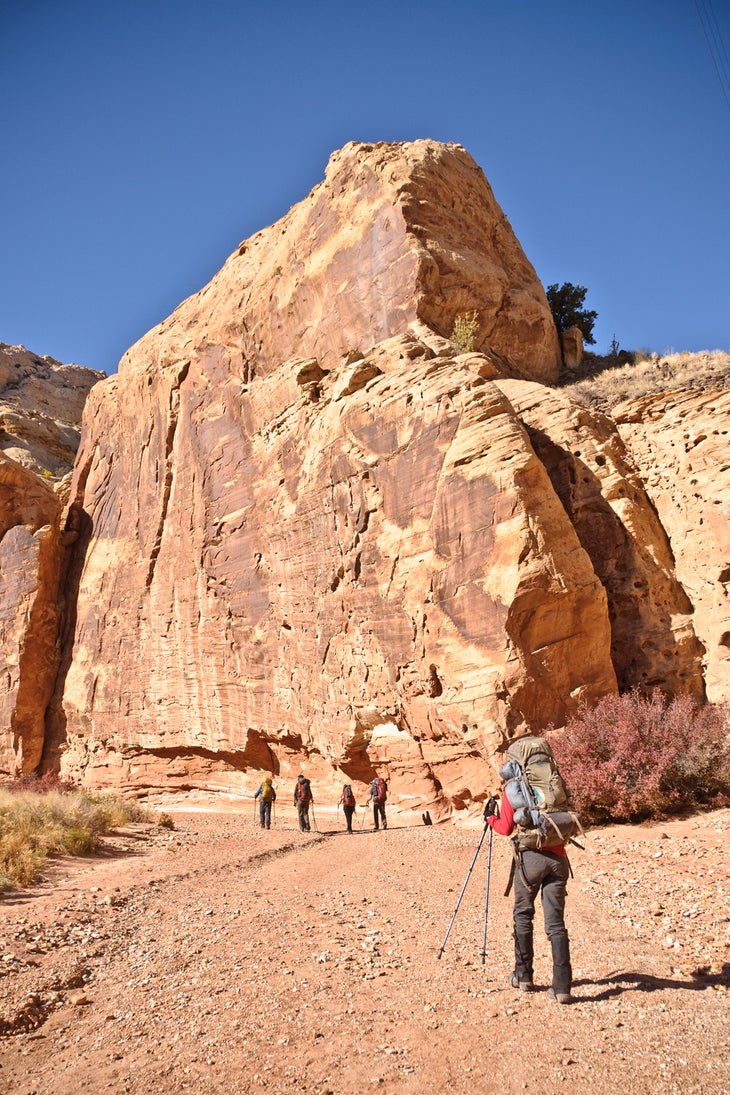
pixel 219 957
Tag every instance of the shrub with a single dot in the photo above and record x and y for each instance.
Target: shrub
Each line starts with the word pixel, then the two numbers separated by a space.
pixel 40 785
pixel 464 333
pixel 632 757
pixel 37 823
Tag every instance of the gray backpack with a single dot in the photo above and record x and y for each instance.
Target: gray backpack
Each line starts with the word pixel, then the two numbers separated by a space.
pixel 537 793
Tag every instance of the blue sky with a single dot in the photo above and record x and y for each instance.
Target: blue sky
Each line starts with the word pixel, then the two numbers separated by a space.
pixel 141 141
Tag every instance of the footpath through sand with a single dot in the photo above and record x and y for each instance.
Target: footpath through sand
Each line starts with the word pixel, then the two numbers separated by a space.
pixel 222 958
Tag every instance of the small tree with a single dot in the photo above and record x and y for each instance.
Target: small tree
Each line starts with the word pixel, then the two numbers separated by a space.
pixel 463 335
pixel 566 304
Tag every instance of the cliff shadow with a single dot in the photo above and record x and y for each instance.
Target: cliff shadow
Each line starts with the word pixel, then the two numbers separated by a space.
pixel 75 539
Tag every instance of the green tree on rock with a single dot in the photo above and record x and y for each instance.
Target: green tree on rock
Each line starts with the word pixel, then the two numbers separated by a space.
pixel 566 304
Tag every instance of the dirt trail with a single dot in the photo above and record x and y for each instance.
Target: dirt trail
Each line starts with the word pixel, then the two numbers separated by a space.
pixel 222 958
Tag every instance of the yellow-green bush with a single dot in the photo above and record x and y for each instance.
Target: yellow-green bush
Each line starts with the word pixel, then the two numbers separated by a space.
pixel 34 825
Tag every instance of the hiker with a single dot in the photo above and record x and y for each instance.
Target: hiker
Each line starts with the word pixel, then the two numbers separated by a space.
pixel 268 796
pixel 347 802
pixel 303 797
pixel 545 872
pixel 378 795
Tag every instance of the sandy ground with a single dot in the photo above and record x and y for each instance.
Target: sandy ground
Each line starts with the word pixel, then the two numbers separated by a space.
pixel 223 958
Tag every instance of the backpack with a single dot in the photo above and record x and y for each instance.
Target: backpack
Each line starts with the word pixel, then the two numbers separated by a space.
pixel 305 792
pixel 348 798
pixel 379 790
pixel 268 793
pixel 537 793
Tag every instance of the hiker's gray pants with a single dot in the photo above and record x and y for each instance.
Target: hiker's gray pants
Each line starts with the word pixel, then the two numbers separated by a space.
pixel 303 815
pixel 265 814
pixel 379 815
pixel 547 875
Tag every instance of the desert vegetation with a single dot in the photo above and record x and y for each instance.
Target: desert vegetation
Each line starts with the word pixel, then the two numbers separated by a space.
pixel 608 381
pixel 634 757
pixel 45 817
pixel 464 332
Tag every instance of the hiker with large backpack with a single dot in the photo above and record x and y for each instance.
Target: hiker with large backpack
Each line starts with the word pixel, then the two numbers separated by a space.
pixel 267 794
pixel 378 796
pixel 303 799
pixel 535 813
pixel 348 804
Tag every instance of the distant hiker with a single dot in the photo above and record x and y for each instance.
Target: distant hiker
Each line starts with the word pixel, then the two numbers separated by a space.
pixel 427 818
pixel 347 802
pixel 378 796
pixel 268 796
pixel 303 798
pixel 543 869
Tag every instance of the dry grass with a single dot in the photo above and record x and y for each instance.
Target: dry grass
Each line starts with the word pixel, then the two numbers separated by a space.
pixel 604 386
pixel 35 825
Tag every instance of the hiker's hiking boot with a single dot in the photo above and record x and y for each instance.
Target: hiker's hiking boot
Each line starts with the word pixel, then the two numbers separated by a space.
pixel 559 997
pixel 523 986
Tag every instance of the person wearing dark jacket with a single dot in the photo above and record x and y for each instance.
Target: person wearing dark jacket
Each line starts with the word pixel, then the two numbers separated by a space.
pixel 348 804
pixel 303 797
pixel 546 873
pixel 378 797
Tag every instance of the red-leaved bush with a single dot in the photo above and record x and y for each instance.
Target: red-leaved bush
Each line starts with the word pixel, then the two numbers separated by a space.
pixel 40 785
pixel 632 757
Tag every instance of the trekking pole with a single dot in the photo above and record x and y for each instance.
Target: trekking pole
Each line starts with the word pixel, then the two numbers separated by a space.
pixel 314 819
pixel 254 811
pixel 486 898
pixel 364 814
pixel 463 888
pixel 273 813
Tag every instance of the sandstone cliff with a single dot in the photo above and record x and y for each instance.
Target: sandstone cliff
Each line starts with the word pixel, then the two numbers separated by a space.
pixel 304 531
pixel 41 403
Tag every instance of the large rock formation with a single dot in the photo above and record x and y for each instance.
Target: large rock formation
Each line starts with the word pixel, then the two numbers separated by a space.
pixel 299 543
pixel 272 574
pixel 41 403
pixel 303 530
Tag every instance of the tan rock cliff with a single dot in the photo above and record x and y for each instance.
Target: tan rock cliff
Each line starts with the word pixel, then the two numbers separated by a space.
pixel 679 439
pixel 41 403
pixel 304 532
pixel 379 576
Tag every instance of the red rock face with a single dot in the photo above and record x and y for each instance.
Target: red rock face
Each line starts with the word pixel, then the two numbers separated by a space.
pixel 378 576
pixel 305 532
pixel 29 575
pixel 41 402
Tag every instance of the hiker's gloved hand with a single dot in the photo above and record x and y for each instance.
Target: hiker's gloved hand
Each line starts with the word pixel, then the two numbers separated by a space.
pixel 491 809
